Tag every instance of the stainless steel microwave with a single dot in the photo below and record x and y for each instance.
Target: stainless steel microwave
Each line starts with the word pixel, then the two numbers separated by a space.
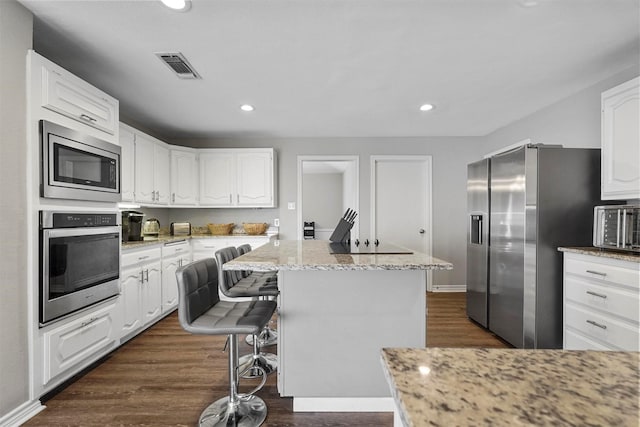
pixel 78 166
pixel 617 227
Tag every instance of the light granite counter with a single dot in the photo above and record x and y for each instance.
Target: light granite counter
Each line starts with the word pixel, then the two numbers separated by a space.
pixel 299 255
pixel 166 238
pixel 505 387
pixel 604 253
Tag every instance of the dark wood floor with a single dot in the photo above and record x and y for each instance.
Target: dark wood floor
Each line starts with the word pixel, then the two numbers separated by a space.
pixel 166 377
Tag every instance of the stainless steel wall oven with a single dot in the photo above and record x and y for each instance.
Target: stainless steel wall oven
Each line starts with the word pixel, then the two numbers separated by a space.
pixel 79 261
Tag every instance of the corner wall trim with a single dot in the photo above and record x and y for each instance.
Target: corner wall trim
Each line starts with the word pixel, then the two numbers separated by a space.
pixel 22 414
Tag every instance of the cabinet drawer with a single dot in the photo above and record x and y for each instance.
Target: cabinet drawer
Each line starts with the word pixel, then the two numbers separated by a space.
pixel 74 98
pixel 175 248
pixel 616 301
pixel 575 341
pixel 610 273
pixel 602 328
pixel 209 245
pixel 131 258
pixel 76 341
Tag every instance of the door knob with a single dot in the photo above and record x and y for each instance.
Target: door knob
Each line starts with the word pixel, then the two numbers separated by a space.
pixel 421 231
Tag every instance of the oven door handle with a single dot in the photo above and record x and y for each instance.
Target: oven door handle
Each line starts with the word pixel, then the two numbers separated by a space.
pixel 80 231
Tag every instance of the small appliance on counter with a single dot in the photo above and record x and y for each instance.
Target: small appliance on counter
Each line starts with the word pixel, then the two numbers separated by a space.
pixel 131 226
pixel 180 228
pixel 151 228
pixel 617 227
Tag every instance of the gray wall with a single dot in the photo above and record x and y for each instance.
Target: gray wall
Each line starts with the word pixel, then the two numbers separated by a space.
pixel 572 122
pixel 322 199
pixel 16 25
pixel 450 157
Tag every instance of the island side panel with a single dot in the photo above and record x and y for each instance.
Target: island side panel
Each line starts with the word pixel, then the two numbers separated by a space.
pixel 334 323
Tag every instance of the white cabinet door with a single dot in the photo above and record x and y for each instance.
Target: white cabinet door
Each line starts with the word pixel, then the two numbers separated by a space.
pixel 68 95
pixel 151 292
pixel 184 177
pixel 217 179
pixel 621 141
pixel 144 173
pixel 237 178
pixel 254 178
pixel 76 342
pixel 161 172
pixel 169 283
pixel 130 300
pixel 127 164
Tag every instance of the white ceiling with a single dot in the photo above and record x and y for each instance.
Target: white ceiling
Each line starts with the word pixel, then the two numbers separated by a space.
pixel 347 68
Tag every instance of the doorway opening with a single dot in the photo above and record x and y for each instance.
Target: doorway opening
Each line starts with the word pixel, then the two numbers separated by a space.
pixel 327 187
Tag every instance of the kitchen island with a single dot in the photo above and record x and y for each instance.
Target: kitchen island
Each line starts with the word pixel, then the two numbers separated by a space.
pixel 509 387
pixel 336 312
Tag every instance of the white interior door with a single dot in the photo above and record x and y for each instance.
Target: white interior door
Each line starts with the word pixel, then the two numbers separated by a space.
pixel 401 202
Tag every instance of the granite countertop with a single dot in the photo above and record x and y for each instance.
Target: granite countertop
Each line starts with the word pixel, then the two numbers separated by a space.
pixel 315 255
pixel 604 253
pixel 508 387
pixel 166 238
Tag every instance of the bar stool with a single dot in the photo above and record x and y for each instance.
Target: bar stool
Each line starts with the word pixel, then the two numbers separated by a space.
pixel 268 336
pixel 234 285
pixel 200 311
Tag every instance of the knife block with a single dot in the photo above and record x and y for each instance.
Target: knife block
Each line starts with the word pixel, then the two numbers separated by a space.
pixel 342 233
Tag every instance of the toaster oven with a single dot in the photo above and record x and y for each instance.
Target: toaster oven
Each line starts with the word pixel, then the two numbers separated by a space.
pixel 617 227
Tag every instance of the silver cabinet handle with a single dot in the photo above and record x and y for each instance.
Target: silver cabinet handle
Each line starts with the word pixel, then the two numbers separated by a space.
pixel 238 198
pixel 421 231
pixel 147 271
pixel 597 273
pixel 140 258
pixel 230 199
pixel 595 294
pixel 88 322
pixel 87 117
pixel 141 276
pixel 591 322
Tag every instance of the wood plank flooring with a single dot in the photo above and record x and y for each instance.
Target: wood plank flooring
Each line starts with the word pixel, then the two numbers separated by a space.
pixel 166 377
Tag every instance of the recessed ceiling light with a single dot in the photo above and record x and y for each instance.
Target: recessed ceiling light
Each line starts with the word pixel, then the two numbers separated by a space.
pixel 426 107
pixel 246 107
pixel 179 5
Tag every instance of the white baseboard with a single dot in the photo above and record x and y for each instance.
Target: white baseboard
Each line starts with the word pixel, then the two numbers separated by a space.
pixel 343 404
pixel 21 414
pixel 449 288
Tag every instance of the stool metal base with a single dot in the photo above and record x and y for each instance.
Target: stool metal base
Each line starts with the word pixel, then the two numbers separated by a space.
pixel 266 337
pixel 248 411
pixel 266 361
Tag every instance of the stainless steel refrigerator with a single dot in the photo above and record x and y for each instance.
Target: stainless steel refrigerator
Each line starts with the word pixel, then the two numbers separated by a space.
pixel 523 204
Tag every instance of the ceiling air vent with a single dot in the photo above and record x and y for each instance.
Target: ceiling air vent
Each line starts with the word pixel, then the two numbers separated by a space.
pixel 178 63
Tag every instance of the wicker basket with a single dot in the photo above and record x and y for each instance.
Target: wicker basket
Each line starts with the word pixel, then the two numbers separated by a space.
pixel 220 229
pixel 254 228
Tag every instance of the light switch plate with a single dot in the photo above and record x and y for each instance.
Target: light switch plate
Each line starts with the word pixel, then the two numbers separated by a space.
pixel 276 222
pixel 291 206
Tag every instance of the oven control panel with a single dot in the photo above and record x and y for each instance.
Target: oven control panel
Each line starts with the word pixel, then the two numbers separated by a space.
pixel 75 219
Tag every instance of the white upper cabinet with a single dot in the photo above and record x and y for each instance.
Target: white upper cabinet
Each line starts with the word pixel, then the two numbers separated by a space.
pixel 152 170
pixel 127 163
pixel 237 178
pixel 68 95
pixel 621 141
pixel 217 178
pixel 184 177
pixel 255 178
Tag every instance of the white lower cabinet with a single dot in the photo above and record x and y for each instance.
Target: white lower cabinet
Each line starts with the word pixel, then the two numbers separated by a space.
pixel 601 303
pixel 174 256
pixel 67 348
pixel 141 290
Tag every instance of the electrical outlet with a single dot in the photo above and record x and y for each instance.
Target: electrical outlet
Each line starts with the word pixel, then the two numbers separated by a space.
pixel 276 222
pixel 291 206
